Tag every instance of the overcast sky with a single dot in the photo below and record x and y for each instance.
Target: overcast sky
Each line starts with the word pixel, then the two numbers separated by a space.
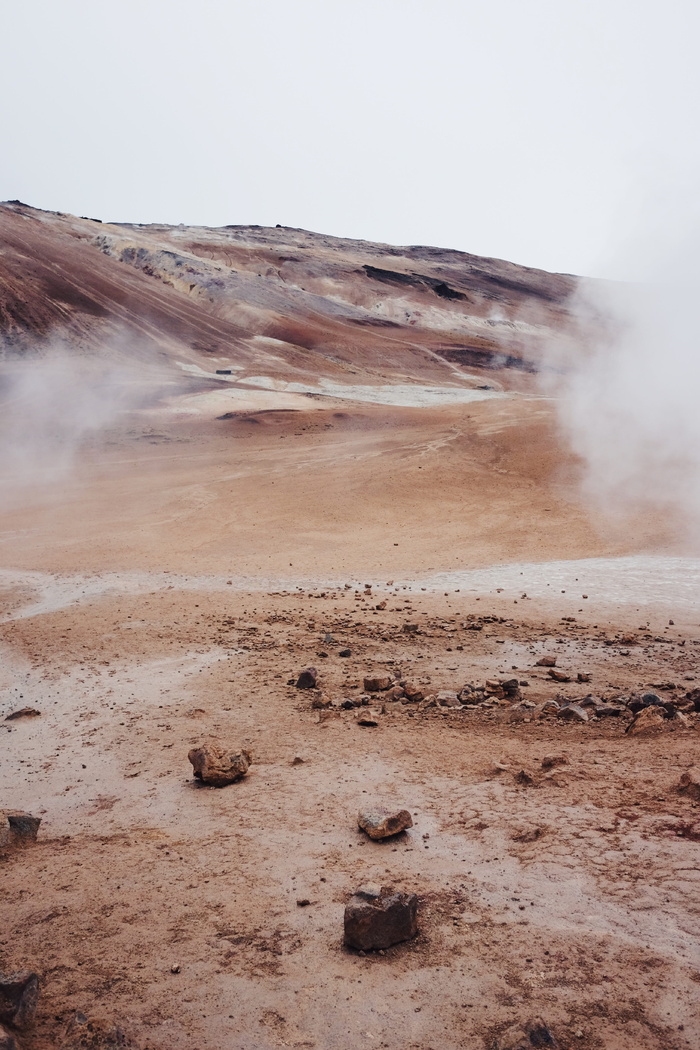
pixel 548 132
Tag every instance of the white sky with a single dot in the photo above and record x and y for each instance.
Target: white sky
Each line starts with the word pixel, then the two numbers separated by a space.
pixel 543 131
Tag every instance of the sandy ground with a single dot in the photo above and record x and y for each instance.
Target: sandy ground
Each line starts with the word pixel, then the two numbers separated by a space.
pixel 569 893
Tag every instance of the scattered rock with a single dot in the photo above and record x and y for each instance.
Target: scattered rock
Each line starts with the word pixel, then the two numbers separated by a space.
pixel 582 677
pixel 690 782
pixel 535 1035
pixel 608 710
pixel 368 717
pixel 410 628
pixel 447 698
pixel 638 703
pixel 298 760
pixel 524 778
pixel 18 828
pixel 303 902
pixel 377 918
pixel 413 691
pixel 219 766
pixel 648 720
pixel 572 713
pixel 380 823
pixel 23 712
pixel 378 685
pixel 547 661
pixel 328 715
pixel 321 701
pixel 307 679
pixel 19 995
pixel 345 652
pixel 559 676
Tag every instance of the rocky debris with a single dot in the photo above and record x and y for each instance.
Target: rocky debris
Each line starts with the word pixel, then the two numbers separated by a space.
pixel 18 828
pixel 511 688
pixel 412 691
pixel 307 679
pixel 381 823
pixel 603 710
pixel 321 701
pixel 328 715
pixel 524 778
pixel 368 717
pixel 378 684
pixel 395 693
pixel 23 712
pixel 19 995
pixel 549 707
pixel 573 713
pixel 648 720
pixel 638 703
pixel 547 661
pixel 217 765
pixel 559 676
pixel 551 761
pixel 689 783
pixel 447 698
pixel 83 1033
pixel 7 1040
pixel 376 917
pixel 410 628
pixel 534 1035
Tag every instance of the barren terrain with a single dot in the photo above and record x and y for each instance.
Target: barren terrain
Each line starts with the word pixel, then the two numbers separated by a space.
pixel 326 452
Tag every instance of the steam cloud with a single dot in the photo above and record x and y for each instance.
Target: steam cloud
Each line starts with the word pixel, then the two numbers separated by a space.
pixel 629 398
pixel 50 408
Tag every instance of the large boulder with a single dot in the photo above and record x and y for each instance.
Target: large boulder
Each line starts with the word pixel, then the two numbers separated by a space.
pixel 648 720
pixel 380 823
pixel 19 995
pixel 376 917
pixel 217 765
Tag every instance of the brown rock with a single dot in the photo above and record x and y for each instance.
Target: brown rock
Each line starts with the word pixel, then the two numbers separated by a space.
pixel 217 765
pixel 410 628
pixel 377 918
pixel 582 677
pixel 368 717
pixel 23 712
pixel 19 995
pixel 321 701
pixel 413 691
pixel 307 679
pixel 547 661
pixel 559 676
pixel 648 720
pixel 572 713
pixel 395 693
pixel 378 685
pixel 690 782
pixel 380 823
pixel 550 761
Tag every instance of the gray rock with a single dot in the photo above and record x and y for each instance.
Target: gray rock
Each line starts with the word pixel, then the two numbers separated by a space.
pixel 572 713
pixel 17 828
pixel 377 918
pixel 381 823
pixel 447 698
pixel 19 995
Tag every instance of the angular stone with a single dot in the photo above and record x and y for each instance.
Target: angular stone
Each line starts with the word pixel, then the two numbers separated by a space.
pixel 559 676
pixel 689 783
pixel 345 652
pixel 307 679
pixel 608 710
pixel 217 765
pixel 648 720
pixel 17 828
pixel 395 693
pixel 381 823
pixel 321 701
pixel 546 661
pixel 368 717
pixel 377 918
pixel 572 713
pixel 378 685
pixel 413 691
pixel 447 698
pixel 19 995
